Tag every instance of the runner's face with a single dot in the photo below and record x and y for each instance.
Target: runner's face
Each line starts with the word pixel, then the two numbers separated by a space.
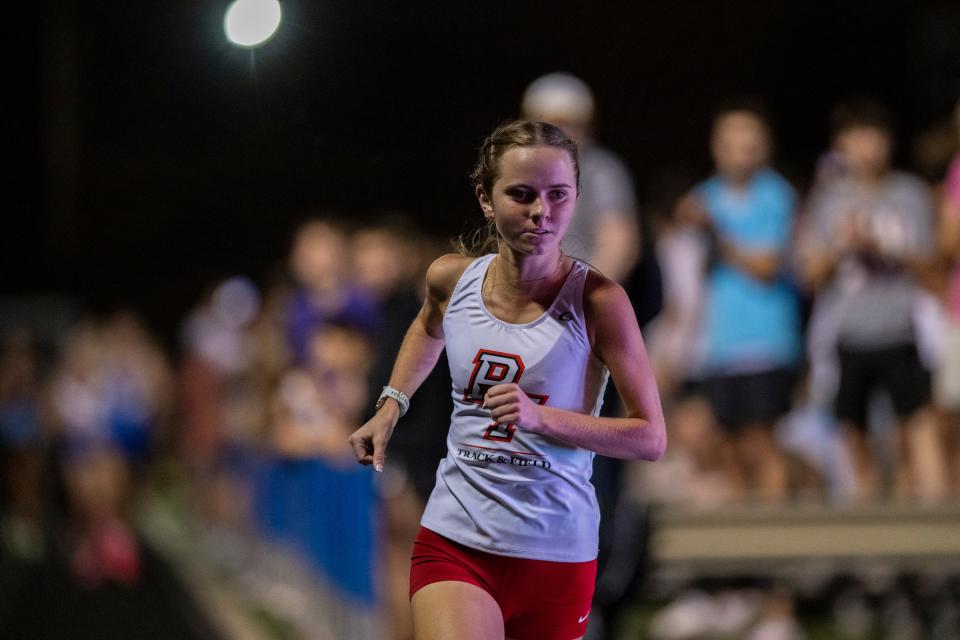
pixel 533 198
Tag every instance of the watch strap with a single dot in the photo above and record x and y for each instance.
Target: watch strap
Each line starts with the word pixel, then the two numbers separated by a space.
pixel 396 394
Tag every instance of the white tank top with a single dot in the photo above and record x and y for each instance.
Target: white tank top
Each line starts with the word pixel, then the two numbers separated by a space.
pixel 501 488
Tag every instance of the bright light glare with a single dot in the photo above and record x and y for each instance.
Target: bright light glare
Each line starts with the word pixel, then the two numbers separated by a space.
pixel 250 23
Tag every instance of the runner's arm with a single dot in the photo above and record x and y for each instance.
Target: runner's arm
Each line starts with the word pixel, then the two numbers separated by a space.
pixel 418 355
pixel 617 342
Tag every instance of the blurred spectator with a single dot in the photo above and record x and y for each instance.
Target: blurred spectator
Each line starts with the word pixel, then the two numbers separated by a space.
pixel 319 403
pixel 314 496
pixel 319 263
pixel 673 336
pixel 871 232
pixel 695 472
pixel 139 388
pixel 934 148
pixel 751 332
pixel 811 429
pixel 385 258
pixel 22 444
pixel 818 466
pixel 224 409
pixel 108 396
pixel 219 350
pixel 604 230
pixel 947 375
pixel 20 426
pixel 271 357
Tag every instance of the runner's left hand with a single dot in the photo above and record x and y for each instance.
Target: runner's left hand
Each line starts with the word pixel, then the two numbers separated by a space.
pixel 508 404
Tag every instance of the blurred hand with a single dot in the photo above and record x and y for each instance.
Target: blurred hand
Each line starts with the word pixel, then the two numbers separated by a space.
pixel 691 210
pixel 369 442
pixel 508 404
pixel 854 236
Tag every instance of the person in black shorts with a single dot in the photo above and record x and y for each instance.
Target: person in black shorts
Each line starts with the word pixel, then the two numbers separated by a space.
pixel 872 232
pixel 741 400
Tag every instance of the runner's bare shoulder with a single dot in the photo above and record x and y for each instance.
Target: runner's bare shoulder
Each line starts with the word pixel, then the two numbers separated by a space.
pixel 443 274
pixel 604 301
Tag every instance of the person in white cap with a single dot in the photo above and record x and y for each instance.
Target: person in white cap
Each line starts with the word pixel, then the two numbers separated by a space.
pixel 604 231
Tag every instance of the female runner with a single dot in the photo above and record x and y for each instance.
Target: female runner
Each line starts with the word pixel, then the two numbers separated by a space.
pixel 508 542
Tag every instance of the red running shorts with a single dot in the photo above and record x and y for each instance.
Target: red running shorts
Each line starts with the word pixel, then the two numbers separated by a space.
pixel 540 600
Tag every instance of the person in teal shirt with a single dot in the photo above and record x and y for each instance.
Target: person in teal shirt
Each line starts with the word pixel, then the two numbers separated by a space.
pixel 750 336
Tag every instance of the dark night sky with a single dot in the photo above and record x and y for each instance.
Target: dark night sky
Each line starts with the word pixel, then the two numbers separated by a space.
pixel 191 158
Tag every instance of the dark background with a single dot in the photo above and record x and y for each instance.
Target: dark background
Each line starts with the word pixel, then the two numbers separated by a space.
pixel 149 155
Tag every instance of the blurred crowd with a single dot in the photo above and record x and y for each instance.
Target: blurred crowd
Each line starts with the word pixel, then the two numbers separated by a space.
pixel 248 423
pixel 806 344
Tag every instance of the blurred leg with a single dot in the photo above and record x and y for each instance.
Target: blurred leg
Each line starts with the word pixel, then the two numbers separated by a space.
pixel 921 470
pixel 926 456
pixel 904 483
pixel 771 468
pixel 455 610
pixel 723 396
pixel 760 455
pixel 730 463
pixel 951 426
pixel 868 485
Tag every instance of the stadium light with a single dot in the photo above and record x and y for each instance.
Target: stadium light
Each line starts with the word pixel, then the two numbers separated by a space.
pixel 250 23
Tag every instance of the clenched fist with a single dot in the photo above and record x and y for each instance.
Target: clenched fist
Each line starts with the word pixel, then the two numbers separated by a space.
pixel 509 404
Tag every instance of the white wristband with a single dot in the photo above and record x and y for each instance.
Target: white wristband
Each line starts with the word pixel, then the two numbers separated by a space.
pixel 396 394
